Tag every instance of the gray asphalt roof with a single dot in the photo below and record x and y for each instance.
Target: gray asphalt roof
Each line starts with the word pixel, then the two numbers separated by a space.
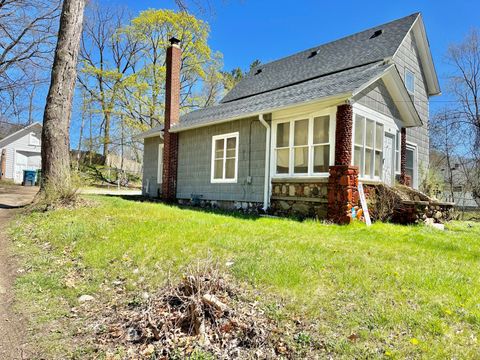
pixel 329 85
pixel 338 67
pixel 351 51
pixel 7 129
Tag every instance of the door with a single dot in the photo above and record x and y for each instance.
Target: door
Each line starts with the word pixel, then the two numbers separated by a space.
pixel 26 160
pixel 388 159
pixel 21 163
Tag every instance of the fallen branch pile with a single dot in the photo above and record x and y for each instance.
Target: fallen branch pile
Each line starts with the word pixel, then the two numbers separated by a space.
pixel 203 314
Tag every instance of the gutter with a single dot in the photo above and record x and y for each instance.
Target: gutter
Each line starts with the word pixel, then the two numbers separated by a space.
pixel 266 189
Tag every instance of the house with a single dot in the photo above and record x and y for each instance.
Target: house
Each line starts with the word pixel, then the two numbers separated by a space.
pixel 297 134
pixel 20 147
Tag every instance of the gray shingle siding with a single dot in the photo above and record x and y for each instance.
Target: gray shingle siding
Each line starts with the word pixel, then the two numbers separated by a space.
pixel 377 97
pixel 407 57
pixel 150 166
pixel 195 156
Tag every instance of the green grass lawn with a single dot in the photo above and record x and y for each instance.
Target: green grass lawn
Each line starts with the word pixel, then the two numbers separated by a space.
pixel 406 291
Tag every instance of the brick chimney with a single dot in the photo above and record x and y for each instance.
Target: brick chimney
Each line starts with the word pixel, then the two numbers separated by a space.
pixel 172 115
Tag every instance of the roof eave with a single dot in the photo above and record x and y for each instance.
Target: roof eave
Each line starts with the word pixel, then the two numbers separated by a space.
pixel 399 93
pixel 339 97
pixel 4 140
pixel 418 29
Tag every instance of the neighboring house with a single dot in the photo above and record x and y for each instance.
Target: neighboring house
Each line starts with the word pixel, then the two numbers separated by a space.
pixel 296 134
pixel 20 149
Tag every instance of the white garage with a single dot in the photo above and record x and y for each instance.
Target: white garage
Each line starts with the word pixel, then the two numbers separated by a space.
pixel 20 149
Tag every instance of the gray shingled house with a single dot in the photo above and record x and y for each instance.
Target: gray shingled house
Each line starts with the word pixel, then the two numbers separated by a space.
pixel 297 134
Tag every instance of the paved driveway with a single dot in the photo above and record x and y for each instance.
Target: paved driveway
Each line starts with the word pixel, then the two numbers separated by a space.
pixel 12 328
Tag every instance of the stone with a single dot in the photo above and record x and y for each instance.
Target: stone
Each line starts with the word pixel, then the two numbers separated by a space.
pixel 306 191
pixel 315 191
pixel 438 215
pixel 291 190
pixel 85 298
pixel 429 221
pixel 276 190
pixel 440 227
pixel 301 209
pixel 284 205
pixel 284 189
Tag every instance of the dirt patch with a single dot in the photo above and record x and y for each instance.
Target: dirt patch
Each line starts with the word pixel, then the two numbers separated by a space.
pixel 12 325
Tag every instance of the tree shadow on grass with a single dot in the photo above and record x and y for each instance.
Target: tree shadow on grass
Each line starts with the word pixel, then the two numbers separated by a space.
pixel 237 214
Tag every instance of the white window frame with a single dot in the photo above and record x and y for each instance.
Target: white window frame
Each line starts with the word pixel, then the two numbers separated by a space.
pixel 160 164
pixel 409 72
pixel 398 152
pixel 33 140
pixel 292 119
pixel 223 180
pixel 390 126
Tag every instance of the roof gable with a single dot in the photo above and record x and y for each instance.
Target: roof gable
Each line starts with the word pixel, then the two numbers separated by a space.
pixel 349 52
pixel 7 129
pixel 14 134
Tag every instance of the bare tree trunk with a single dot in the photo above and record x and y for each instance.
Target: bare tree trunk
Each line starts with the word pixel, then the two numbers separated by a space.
pixel 56 119
pixel 80 137
pixel 30 105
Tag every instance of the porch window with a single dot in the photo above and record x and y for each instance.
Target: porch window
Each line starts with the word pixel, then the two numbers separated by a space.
pixel 303 146
pixel 368 147
pixel 397 152
pixel 411 164
pixel 224 158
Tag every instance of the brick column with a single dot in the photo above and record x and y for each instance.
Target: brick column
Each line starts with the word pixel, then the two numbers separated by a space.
pixel 343 177
pixel 404 179
pixel 172 116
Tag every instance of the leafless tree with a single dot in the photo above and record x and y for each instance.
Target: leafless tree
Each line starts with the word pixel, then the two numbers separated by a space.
pixel 464 85
pixel 27 38
pixel 56 119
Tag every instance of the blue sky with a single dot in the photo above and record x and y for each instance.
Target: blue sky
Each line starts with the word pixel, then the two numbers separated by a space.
pixel 245 30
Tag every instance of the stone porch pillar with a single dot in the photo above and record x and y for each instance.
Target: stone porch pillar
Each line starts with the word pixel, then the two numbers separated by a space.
pixel 343 177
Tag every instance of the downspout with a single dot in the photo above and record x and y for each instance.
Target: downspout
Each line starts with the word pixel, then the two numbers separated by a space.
pixel 266 190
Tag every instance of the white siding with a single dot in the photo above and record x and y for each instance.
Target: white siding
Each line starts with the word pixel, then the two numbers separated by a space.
pixel 22 142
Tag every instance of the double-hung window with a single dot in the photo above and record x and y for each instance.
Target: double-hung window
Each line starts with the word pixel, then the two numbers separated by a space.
pixel 410 81
pixel 303 146
pixel 224 158
pixel 368 147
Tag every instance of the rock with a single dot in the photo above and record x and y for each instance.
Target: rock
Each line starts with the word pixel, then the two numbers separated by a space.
pixel 85 298
pixel 301 209
pixel 306 191
pixel 133 335
pixel 439 227
pixel 2 290
pixel 429 221
pixel 291 190
pixel 438 215
pixel 284 190
pixel 416 198
pixel 284 205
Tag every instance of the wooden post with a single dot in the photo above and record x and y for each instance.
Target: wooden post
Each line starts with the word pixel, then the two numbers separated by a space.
pixel 3 164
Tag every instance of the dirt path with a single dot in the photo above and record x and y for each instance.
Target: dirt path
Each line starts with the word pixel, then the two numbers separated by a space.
pixel 12 328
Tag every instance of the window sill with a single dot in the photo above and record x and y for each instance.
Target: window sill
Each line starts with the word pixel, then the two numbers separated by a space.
pixel 223 181
pixel 301 179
